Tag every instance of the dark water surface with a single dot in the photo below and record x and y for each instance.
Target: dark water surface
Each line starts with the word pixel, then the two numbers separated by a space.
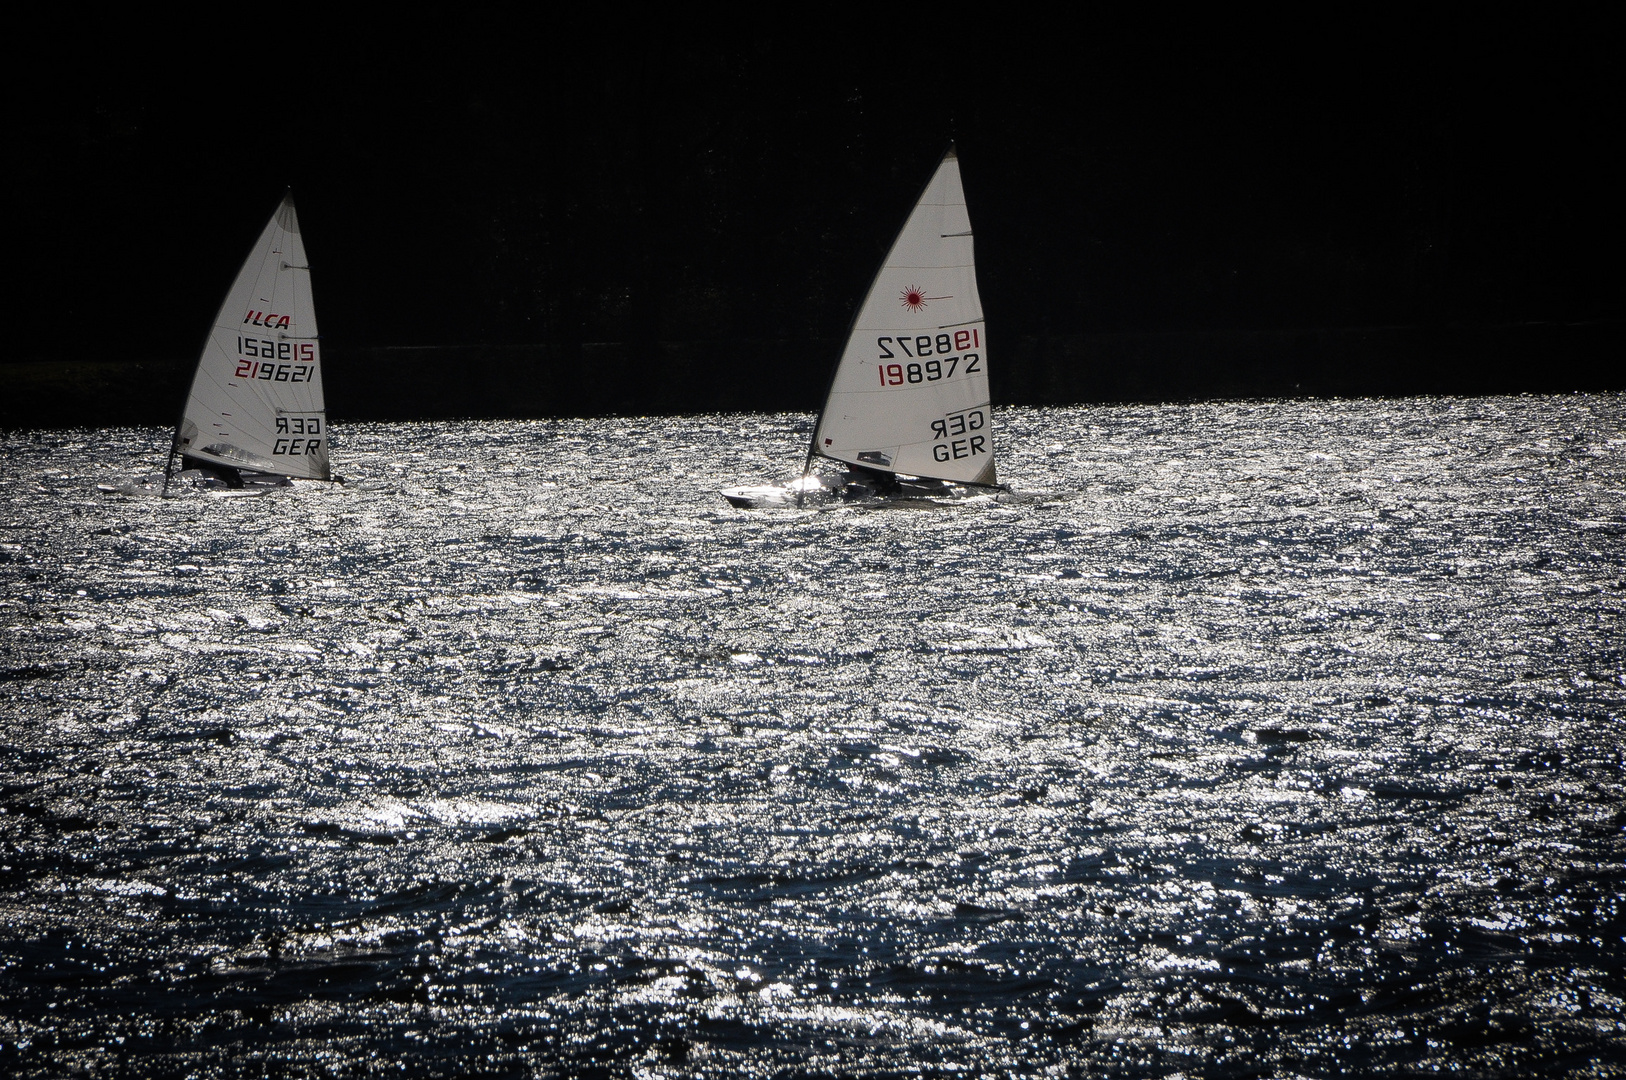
pixel 1264 739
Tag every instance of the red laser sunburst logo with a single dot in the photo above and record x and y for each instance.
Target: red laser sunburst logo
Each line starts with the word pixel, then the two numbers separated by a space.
pixel 914 298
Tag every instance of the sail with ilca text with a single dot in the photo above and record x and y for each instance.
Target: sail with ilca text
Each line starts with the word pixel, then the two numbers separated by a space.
pixel 256 398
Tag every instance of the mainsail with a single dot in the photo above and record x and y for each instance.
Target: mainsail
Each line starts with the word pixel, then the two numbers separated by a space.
pixel 256 399
pixel 910 394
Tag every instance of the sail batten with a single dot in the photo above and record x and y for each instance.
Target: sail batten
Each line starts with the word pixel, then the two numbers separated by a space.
pixel 261 367
pixel 910 392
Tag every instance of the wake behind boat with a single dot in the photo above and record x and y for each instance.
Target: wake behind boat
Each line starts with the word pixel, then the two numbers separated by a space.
pixel 255 417
pixel 908 406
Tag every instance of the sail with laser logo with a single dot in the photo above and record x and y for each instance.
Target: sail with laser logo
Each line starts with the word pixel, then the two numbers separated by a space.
pixel 256 398
pixel 910 393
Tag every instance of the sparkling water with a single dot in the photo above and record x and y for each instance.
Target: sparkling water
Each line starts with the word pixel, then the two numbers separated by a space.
pixel 1238 739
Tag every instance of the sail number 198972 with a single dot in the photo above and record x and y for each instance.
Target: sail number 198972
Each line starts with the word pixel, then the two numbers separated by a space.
pixel 930 358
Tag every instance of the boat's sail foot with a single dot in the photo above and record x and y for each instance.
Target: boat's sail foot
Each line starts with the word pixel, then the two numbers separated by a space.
pixel 256 400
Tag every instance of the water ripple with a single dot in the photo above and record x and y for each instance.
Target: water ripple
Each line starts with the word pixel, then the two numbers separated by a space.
pixel 1242 739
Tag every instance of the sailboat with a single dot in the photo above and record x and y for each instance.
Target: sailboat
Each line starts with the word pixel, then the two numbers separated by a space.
pixel 907 410
pixel 255 417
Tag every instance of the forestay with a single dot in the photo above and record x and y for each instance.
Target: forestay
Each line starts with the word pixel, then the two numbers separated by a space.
pixel 256 400
pixel 910 394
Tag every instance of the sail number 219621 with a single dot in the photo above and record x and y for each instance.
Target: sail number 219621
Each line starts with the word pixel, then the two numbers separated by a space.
pixel 929 357
pixel 274 361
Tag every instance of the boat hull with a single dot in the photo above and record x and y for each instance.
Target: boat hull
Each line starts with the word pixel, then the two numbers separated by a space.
pixel 867 487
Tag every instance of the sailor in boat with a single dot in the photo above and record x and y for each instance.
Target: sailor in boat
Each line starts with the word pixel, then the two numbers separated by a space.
pixel 226 474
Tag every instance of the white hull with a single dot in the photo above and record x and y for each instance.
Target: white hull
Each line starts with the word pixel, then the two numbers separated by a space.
pixel 849 489
pixel 198 480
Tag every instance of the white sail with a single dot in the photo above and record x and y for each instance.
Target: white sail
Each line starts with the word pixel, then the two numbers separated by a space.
pixel 256 399
pixel 910 394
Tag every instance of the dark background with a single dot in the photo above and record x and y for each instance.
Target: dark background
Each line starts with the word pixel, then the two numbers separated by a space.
pixel 509 218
